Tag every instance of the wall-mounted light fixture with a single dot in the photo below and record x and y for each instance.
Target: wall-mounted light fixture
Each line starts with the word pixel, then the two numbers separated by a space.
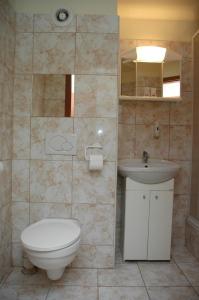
pixel 150 54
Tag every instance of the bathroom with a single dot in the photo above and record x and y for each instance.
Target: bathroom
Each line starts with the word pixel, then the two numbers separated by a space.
pixel 41 180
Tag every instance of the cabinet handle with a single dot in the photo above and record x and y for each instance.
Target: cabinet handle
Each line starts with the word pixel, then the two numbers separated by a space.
pixel 144 197
pixel 156 197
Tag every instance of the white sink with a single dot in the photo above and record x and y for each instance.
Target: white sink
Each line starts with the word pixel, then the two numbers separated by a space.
pixel 155 171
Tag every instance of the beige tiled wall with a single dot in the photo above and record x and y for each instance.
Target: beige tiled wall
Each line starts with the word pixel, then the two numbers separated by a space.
pixel 7 45
pixel 61 186
pixel 136 121
pixel 192 229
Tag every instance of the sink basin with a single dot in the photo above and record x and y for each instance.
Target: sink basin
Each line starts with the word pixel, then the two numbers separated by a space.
pixel 155 171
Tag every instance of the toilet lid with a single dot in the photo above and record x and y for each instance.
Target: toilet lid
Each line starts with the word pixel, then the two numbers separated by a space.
pixel 51 234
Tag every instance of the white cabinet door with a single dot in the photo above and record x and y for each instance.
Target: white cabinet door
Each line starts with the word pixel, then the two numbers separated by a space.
pixel 136 225
pixel 160 225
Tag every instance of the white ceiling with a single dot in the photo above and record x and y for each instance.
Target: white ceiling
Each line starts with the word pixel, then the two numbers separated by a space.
pixel 186 10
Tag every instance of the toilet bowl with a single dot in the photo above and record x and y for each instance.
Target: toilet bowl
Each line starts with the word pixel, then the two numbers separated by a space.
pixel 52 244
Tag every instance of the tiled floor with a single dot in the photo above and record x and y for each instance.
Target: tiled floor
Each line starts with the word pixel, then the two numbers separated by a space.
pixel 178 280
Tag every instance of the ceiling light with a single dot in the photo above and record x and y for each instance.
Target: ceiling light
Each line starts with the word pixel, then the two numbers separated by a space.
pixel 150 54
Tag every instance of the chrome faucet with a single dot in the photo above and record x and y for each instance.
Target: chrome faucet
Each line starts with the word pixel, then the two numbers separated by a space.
pixel 145 157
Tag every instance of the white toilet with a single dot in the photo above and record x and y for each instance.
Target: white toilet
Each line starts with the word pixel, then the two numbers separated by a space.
pixel 52 244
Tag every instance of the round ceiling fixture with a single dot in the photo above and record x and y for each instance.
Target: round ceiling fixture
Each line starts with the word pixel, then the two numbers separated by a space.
pixel 62 16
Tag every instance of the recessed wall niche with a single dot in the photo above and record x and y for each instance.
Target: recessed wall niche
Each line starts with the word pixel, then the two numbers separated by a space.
pixel 53 95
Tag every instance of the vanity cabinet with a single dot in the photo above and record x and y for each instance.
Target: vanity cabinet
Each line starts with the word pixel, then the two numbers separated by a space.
pixel 148 220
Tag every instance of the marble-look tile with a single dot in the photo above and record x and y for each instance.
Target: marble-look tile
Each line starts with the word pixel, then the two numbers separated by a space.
pixel 23 292
pixel 192 240
pixel 187 50
pixel 90 256
pixel 172 293
pixel 79 277
pixel 45 23
pixel 3 25
pixel 9 44
pixel 97 223
pixel 20 219
pixel 50 181
pixel 180 142
pixel 162 274
pixel 148 113
pixel 72 292
pixel 119 201
pixel 5 262
pixel 6 184
pixel 95 96
pixel 24 22
pixel 54 53
pixel 7 133
pixel 157 148
pixel 5 236
pixel 119 293
pixel 93 186
pixel 196 288
pixel 17 254
pixel 23 53
pixel 191 271
pixel 22 95
pixel 121 275
pixel 20 180
pixel 21 137
pixel 180 48
pixel 186 82
pixel 180 213
pixel 96 130
pixel 7 52
pixel 18 278
pixel 6 229
pixel 127 113
pixel 183 178
pixel 40 211
pixel 181 112
pixel 126 44
pixel 7 93
pixel 40 127
pixel 97 24
pixel 126 141
pixel 96 54
pixel 181 255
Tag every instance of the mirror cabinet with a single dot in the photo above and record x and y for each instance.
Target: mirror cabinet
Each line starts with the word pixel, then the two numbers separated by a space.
pixel 150 80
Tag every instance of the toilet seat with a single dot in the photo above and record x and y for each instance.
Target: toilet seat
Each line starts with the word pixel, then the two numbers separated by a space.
pixel 51 234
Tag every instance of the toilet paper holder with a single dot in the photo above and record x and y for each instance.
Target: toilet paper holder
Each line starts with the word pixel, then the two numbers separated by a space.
pixel 97 147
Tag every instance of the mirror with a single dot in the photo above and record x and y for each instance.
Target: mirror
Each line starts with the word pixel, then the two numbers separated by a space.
pixel 150 79
pixel 171 78
pixel 53 95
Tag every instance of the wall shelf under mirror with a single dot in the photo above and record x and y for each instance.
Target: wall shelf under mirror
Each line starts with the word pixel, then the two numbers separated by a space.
pixel 152 99
pixel 150 78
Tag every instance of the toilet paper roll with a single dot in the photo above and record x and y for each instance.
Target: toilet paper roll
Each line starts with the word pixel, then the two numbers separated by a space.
pixel 95 162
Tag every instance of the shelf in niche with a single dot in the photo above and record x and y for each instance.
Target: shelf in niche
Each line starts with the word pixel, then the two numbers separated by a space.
pixel 152 99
